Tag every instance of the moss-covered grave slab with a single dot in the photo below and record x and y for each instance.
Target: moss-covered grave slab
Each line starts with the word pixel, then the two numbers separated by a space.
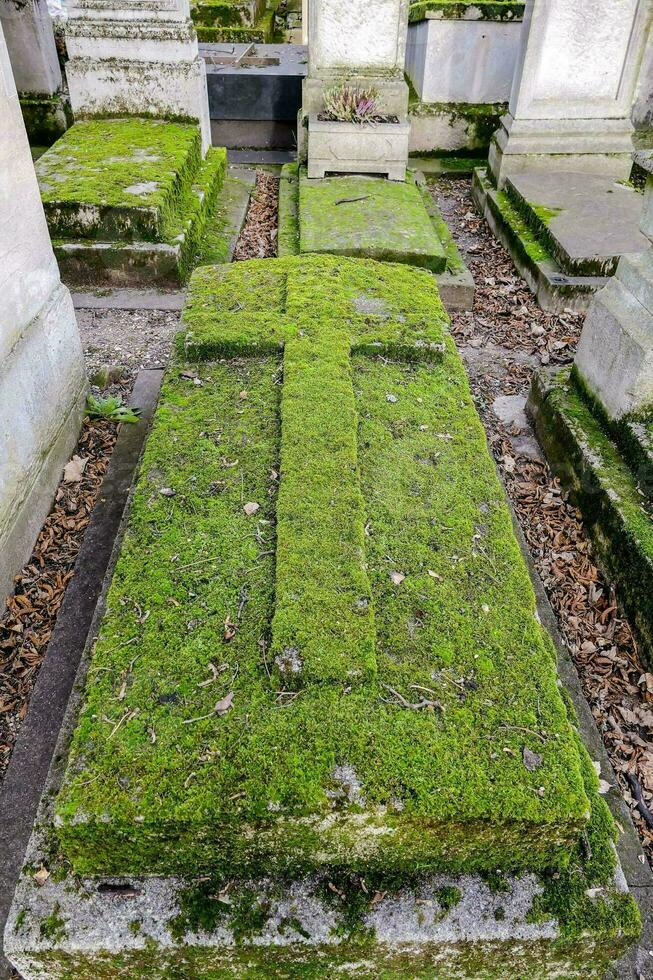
pixel 321 730
pixel 454 281
pixel 321 647
pixel 608 468
pixel 586 221
pixel 127 200
pixel 369 217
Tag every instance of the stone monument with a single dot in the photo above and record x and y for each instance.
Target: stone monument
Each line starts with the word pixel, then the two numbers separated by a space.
pixel 29 37
pixel 140 58
pixel 615 352
pixel 573 89
pixel 42 381
pixel 343 49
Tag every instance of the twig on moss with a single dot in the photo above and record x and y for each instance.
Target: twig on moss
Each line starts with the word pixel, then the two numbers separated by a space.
pixel 636 790
pixel 412 705
pixel 352 200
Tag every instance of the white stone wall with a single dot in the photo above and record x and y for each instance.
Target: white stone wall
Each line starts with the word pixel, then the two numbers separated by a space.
pixel 42 380
pixel 462 60
pixel 29 37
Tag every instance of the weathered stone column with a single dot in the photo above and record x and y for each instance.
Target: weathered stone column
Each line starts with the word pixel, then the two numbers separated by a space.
pixel 29 36
pixel 573 88
pixel 42 380
pixel 615 352
pixel 130 57
pixel 362 43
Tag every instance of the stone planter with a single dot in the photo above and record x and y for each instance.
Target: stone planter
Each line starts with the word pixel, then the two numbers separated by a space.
pixel 354 148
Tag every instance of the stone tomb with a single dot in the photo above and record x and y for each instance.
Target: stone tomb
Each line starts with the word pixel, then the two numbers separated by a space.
pixel 127 200
pixel 565 231
pixel 322 729
pixel 370 217
pixel 596 424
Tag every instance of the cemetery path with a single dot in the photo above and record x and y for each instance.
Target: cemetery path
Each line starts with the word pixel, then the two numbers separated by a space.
pixel 503 340
pixel 258 239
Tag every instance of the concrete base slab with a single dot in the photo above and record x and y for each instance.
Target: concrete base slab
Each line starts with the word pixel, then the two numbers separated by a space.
pixel 370 218
pixel 457 926
pixel 555 290
pixel 587 221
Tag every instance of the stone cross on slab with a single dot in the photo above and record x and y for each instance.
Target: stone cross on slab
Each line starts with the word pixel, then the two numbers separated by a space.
pixel 323 625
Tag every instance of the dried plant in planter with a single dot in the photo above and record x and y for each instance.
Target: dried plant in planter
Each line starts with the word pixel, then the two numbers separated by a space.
pixel 351 104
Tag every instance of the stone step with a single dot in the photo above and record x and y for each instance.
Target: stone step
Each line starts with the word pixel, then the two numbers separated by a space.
pixel 321 648
pixel 168 262
pixel 118 180
pixel 586 221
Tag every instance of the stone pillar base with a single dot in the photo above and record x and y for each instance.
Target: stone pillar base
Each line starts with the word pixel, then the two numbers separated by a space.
pixel 42 397
pixel 46 117
pixel 597 146
pixel 121 65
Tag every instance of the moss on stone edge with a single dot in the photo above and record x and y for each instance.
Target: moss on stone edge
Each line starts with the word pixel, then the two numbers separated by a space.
pixel 119 179
pixel 288 236
pixel 504 10
pixel 160 780
pixel 614 509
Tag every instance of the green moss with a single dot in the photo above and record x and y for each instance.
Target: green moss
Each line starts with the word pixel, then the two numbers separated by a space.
pixel 158 779
pixel 234 23
pixel 584 898
pixel 109 183
pixel 467 9
pixel 448 897
pixel 615 508
pixel 359 216
pixel 53 926
pixel 87 175
pixel 288 235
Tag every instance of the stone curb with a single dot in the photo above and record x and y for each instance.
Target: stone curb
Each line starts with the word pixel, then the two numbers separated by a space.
pixel 32 756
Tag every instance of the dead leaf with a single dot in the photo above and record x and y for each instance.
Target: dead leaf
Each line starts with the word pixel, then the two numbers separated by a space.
pixel 397 578
pixel 222 707
pixel 532 760
pixel 251 508
pixel 41 876
pixel 229 629
pixel 74 470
